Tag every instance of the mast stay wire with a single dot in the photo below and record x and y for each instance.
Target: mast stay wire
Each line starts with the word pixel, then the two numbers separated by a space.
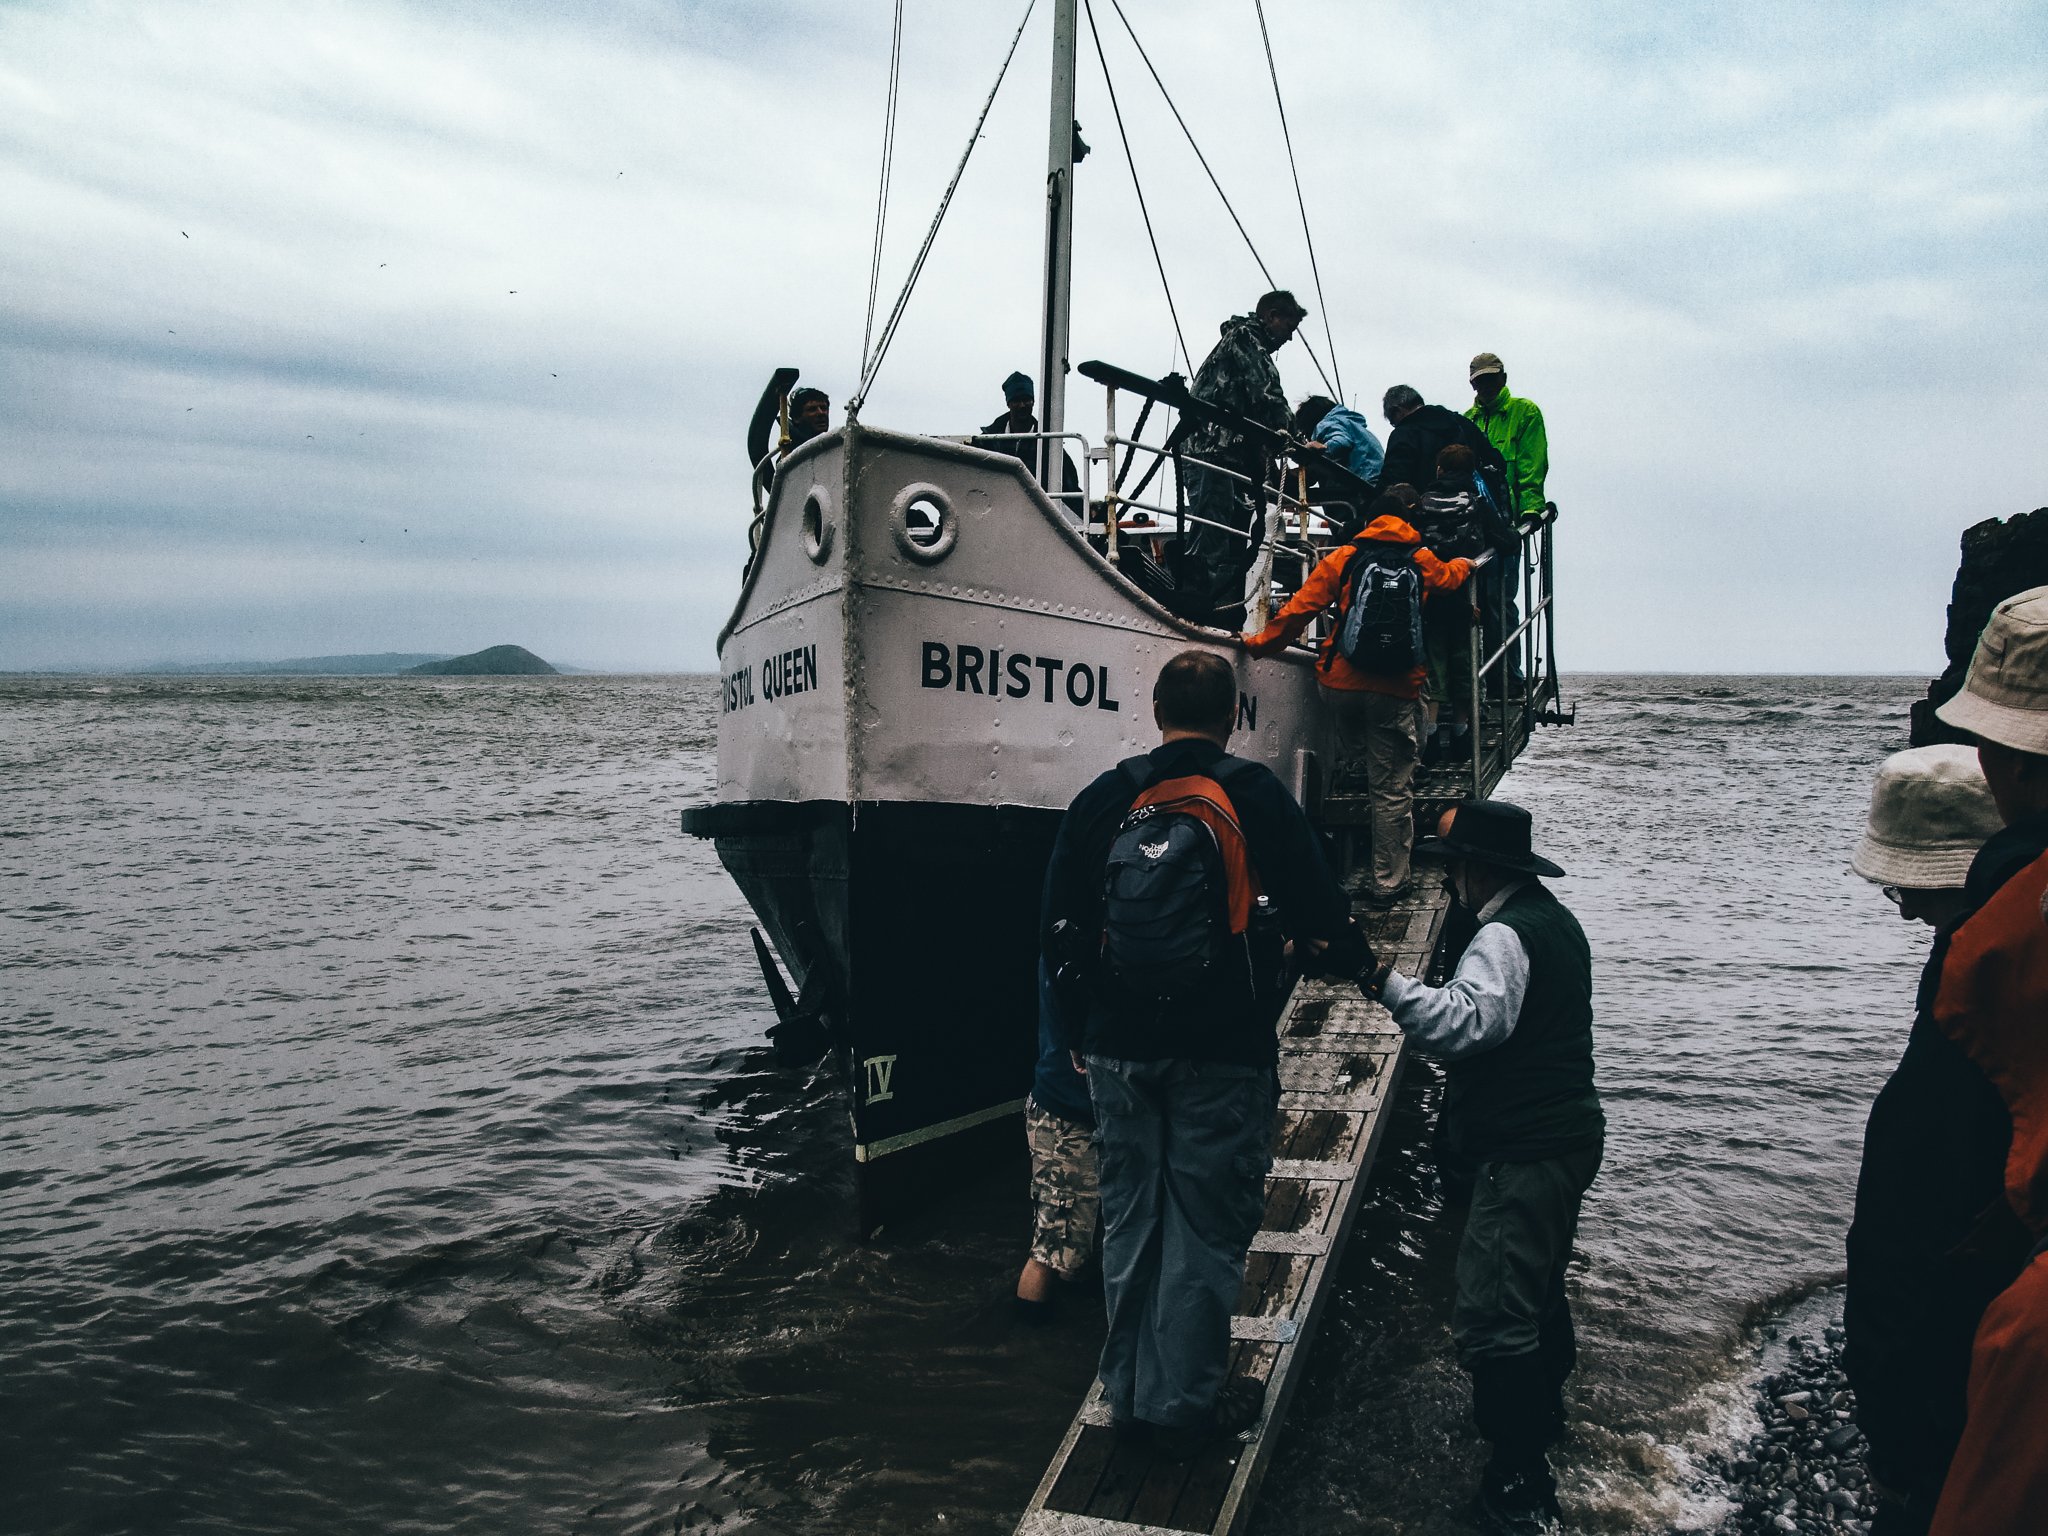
pixel 1188 134
pixel 1307 239
pixel 882 192
pixel 873 364
pixel 1136 185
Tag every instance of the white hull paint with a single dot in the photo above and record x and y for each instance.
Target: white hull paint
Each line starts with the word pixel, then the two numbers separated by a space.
pixel 1009 671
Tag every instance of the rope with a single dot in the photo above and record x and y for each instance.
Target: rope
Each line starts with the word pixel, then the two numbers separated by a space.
pixel 874 363
pixel 882 192
pixel 1188 134
pixel 1138 187
pixel 1307 239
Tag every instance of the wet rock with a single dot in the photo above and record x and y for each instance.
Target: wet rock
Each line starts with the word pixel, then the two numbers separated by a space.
pixel 1803 1470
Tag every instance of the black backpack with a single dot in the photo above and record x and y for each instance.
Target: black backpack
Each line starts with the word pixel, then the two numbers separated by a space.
pixel 1379 612
pixel 1178 888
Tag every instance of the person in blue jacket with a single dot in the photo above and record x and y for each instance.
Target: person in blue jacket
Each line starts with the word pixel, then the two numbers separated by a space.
pixel 1348 438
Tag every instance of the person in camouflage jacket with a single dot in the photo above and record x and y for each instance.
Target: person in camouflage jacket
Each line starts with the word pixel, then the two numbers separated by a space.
pixel 1238 376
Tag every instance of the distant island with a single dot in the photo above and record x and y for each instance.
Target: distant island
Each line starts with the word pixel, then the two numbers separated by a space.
pixel 377 664
pixel 497 661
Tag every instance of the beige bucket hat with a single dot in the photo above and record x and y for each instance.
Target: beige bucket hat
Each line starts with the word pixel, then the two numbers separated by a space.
pixel 1929 814
pixel 2005 697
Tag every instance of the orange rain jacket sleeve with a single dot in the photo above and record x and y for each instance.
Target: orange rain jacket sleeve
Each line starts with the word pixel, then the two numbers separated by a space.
pixel 1326 582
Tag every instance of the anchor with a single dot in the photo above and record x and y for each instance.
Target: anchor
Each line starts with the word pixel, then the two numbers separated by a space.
pixel 805 1028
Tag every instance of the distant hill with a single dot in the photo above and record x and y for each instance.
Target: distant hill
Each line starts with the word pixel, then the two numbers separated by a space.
pixel 379 664
pixel 498 661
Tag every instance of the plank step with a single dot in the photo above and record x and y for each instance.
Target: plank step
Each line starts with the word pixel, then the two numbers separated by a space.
pixel 1300 1168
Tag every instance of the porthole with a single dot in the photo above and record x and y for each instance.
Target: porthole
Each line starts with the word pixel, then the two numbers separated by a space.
pixel 817 526
pixel 924 523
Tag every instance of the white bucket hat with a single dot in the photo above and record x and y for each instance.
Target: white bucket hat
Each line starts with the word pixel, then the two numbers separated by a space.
pixel 1929 814
pixel 2005 697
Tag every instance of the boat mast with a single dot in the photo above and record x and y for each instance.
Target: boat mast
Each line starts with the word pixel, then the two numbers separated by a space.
pixel 1059 240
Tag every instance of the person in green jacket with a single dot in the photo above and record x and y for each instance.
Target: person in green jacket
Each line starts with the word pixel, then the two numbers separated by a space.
pixel 1515 428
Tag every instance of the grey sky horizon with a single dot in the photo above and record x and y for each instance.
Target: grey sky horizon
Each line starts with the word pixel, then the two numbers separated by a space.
pixel 372 326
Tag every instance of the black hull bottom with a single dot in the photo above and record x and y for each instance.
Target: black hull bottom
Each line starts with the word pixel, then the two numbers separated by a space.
pixel 925 918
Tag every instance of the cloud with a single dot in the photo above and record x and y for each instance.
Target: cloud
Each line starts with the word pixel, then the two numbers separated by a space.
pixel 431 326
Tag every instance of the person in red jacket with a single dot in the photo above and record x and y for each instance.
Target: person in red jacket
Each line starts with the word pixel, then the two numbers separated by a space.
pixel 1378 715
pixel 1939 1310
pixel 1994 995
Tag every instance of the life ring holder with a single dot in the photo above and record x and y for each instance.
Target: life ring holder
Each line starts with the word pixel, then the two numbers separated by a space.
pixel 926 547
pixel 817 525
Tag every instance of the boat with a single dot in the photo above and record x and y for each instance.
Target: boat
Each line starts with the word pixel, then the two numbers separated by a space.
pixel 930 655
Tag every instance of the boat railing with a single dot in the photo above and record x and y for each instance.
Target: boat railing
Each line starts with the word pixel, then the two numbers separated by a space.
pixel 1514 687
pixel 1283 531
pixel 1075 501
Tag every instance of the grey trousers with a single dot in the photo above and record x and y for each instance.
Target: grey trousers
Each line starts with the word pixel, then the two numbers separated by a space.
pixel 1183 1148
pixel 1510 1322
pixel 1380 738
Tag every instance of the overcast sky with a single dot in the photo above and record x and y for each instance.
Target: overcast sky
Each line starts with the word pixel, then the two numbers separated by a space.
pixel 373 326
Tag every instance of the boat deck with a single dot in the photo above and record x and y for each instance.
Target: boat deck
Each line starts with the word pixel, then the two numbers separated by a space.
pixel 1340 1062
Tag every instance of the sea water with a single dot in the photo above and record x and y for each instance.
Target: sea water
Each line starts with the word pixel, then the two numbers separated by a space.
pixel 388 1142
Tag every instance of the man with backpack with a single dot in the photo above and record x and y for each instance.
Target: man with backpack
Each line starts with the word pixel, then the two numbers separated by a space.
pixel 1372 665
pixel 1174 882
pixel 1455 519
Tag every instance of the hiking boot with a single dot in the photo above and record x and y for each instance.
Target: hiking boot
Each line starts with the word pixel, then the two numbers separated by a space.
pixel 1517 1504
pixel 1033 1314
pixel 1236 1410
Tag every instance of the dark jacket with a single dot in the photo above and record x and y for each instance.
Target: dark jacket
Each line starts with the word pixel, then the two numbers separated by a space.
pixel 1532 1097
pixel 1057 1087
pixel 1232 1022
pixel 1421 436
pixel 1933 1240
pixel 1239 375
pixel 1025 451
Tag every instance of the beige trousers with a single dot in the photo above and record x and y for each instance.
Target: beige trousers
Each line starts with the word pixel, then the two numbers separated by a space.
pixel 1379 738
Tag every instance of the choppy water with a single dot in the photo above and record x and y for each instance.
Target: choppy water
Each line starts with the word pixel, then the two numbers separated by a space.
pixel 386 1143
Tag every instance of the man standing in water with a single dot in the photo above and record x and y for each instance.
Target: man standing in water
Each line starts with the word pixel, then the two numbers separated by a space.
pixel 1935 1238
pixel 1514 1026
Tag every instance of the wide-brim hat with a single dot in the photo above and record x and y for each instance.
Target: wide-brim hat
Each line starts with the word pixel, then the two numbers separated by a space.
pixel 1930 811
pixel 1490 832
pixel 2005 697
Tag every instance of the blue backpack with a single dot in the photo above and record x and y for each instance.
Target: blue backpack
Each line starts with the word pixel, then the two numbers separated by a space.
pixel 1178 886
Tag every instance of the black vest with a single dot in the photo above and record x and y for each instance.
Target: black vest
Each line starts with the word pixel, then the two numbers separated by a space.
pixel 1533 1097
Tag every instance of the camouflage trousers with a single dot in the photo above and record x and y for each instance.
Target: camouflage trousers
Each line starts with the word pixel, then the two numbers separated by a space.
pixel 1065 1209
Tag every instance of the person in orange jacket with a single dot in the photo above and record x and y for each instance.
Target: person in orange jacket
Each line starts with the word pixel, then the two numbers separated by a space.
pixel 1989 1002
pixel 1378 715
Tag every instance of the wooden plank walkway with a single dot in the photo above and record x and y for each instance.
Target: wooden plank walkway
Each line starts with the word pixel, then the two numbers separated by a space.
pixel 1340 1063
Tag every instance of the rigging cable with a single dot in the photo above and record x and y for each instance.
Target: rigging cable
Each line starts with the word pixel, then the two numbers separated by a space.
pixel 1307 239
pixel 874 363
pixel 882 192
pixel 1138 187
pixel 1188 134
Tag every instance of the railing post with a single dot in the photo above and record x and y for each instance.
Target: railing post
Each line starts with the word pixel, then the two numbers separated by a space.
pixel 1478 648
pixel 1109 481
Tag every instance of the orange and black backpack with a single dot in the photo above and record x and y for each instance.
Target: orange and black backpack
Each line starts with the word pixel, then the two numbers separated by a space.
pixel 1179 887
